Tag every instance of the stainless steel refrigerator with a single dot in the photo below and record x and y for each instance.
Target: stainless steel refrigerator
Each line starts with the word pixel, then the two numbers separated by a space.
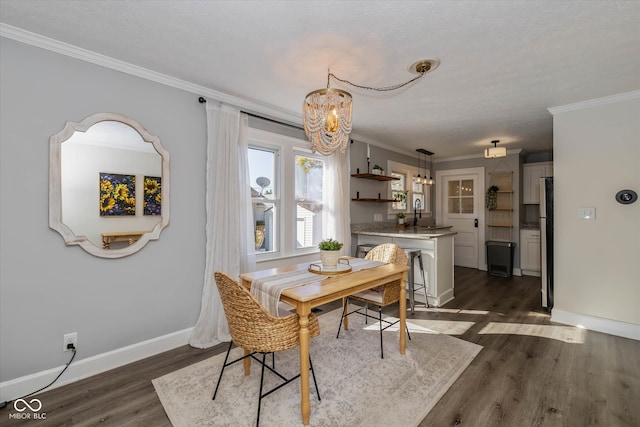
pixel 546 240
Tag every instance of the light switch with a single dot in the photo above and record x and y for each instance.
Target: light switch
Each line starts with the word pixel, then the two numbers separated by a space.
pixel 377 217
pixel 587 213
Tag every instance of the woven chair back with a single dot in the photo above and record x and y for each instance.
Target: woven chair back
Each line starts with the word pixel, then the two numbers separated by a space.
pixel 251 326
pixel 388 252
pixel 394 254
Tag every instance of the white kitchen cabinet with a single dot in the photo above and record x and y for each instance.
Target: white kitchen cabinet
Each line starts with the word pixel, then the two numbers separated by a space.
pixel 530 252
pixel 532 172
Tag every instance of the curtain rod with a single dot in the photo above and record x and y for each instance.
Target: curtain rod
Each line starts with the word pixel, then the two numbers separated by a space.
pixel 203 100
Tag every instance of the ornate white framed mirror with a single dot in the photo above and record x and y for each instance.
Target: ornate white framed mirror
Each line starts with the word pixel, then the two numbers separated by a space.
pixel 108 185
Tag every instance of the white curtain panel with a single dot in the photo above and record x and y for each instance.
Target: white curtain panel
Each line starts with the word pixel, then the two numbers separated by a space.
pixel 229 229
pixel 337 199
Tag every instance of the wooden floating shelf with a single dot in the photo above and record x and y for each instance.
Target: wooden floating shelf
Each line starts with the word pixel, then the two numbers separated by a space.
pixel 373 176
pixel 374 200
pixel 498 225
pixel 501 209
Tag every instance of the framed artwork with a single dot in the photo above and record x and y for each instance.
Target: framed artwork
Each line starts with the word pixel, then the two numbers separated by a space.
pixel 152 195
pixel 117 194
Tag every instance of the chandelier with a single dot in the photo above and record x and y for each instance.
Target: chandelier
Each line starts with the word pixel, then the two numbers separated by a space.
pixel 326 113
pixel 327 119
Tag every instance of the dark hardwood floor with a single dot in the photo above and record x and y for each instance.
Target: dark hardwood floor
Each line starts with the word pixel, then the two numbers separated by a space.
pixel 522 377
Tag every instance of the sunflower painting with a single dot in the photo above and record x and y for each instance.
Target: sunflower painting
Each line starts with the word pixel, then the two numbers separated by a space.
pixel 152 195
pixel 117 194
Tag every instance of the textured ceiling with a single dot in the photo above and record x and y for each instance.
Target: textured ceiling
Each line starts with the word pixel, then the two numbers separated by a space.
pixel 503 63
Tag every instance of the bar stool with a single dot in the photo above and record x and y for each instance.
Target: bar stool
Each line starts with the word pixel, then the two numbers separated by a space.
pixel 414 254
pixel 363 250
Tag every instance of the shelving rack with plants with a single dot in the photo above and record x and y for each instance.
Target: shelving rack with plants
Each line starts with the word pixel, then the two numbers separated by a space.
pixel 500 218
pixel 375 178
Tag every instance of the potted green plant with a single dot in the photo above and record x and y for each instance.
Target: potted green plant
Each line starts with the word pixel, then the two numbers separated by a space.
pixel 377 170
pixel 400 216
pixel 491 198
pixel 329 252
pixel 400 199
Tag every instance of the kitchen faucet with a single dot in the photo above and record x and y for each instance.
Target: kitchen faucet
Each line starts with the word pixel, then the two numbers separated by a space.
pixel 416 205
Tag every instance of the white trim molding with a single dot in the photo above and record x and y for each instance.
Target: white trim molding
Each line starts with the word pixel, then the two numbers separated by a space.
pixel 595 102
pixel 598 324
pixel 245 104
pixel 76 52
pixel 84 368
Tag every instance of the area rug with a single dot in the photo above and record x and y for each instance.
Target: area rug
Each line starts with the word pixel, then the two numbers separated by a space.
pixel 357 387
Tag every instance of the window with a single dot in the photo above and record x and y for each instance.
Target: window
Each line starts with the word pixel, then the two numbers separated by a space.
pixel 460 196
pixel 418 195
pixel 399 191
pixel 406 190
pixel 309 174
pixel 264 197
pixel 287 190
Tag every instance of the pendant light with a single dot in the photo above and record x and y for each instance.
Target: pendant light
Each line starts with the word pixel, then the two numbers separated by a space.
pixel 419 179
pixel 430 180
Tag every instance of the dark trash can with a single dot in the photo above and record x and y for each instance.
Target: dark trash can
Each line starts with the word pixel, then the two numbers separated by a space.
pixel 500 258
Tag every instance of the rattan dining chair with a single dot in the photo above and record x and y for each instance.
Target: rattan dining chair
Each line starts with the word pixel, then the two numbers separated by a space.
pixel 258 332
pixel 381 296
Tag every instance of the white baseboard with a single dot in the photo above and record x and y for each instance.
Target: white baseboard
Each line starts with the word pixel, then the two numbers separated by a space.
pixel 83 368
pixel 598 324
pixel 531 273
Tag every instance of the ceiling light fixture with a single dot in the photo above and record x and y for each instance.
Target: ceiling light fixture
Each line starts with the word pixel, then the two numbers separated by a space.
pixel 425 180
pixel 495 151
pixel 419 179
pixel 326 113
pixel 429 181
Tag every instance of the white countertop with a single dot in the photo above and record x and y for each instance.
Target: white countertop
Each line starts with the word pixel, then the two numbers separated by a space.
pixel 420 232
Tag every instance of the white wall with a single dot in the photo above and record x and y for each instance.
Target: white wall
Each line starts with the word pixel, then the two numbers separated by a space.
pixel 47 289
pixel 596 154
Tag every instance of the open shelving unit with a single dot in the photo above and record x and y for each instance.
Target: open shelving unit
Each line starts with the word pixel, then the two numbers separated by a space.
pixel 500 219
pixel 373 177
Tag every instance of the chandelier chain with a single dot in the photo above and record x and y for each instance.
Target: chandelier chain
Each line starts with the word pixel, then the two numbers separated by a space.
pixel 378 89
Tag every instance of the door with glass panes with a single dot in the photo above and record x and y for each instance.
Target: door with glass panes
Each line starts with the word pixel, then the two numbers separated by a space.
pixel 460 205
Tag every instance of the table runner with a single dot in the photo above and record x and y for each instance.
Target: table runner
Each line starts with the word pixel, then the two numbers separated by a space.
pixel 268 289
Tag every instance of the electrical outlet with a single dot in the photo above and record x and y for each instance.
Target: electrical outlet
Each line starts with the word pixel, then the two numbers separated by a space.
pixel 71 338
pixel 377 217
pixel 587 213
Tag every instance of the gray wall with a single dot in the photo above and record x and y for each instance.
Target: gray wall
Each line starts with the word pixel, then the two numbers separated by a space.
pixel 47 289
pixel 362 212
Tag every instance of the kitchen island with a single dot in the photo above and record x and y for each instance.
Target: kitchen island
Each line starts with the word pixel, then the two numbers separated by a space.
pixel 436 245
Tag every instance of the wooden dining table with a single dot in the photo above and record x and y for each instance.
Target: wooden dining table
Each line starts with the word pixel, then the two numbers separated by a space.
pixel 324 289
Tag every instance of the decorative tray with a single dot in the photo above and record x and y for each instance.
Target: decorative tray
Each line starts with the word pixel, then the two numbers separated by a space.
pixel 341 268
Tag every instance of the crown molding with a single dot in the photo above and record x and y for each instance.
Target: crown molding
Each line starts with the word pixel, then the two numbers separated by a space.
pixel 76 52
pixel 595 102
pixel 245 104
